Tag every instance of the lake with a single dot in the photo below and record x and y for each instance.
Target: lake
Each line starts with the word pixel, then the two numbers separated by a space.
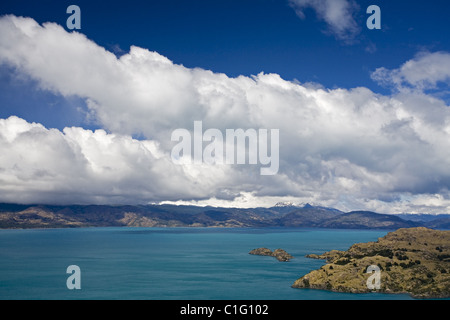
pixel 169 263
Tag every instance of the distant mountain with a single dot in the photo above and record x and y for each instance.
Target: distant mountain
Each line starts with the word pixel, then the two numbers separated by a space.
pixel 434 221
pixel 439 223
pixel 308 216
pixel 287 204
pixel 286 215
pixel 421 217
pixel 367 220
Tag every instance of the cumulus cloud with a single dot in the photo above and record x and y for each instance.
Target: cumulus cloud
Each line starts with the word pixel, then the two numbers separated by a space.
pixel 81 166
pixel 337 14
pixel 425 71
pixel 351 149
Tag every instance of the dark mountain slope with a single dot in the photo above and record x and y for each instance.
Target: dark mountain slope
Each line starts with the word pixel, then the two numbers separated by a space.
pixel 47 216
pixel 367 220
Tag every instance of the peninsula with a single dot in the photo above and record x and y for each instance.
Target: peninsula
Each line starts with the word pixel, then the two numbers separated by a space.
pixel 411 260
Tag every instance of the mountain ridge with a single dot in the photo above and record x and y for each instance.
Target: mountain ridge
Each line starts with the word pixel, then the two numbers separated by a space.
pixel 165 215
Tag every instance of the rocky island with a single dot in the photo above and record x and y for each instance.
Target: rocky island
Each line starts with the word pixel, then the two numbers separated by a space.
pixel 280 254
pixel 413 260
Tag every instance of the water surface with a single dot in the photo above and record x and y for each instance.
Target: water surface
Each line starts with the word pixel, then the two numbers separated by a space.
pixel 168 263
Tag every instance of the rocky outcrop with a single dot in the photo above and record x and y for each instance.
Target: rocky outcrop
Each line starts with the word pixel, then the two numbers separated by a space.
pixel 414 261
pixel 280 254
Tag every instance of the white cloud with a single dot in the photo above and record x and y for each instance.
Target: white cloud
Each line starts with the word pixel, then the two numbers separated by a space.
pixel 351 149
pixel 423 72
pixel 338 14
pixel 80 166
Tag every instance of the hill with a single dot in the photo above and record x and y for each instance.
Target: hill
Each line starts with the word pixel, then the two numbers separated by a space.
pixel 414 261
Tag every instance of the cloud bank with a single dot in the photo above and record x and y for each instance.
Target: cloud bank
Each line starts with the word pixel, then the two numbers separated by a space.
pixel 350 149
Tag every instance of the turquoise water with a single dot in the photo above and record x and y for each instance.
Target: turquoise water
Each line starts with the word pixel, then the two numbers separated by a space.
pixel 168 263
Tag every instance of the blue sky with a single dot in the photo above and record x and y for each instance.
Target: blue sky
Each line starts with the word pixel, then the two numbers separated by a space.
pixel 317 53
pixel 246 37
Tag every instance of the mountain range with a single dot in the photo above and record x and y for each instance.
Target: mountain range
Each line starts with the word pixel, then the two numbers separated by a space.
pixel 154 215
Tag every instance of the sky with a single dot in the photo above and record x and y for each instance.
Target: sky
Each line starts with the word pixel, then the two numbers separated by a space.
pixel 87 115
